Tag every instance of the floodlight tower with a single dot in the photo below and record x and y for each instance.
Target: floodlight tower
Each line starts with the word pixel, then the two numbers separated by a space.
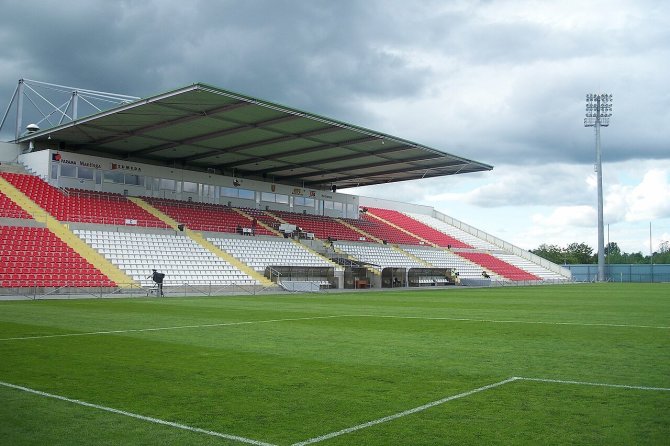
pixel 598 113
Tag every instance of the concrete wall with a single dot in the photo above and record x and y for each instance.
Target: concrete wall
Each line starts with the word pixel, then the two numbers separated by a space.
pixel 9 152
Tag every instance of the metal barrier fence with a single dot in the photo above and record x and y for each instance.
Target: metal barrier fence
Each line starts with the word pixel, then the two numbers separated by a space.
pixel 634 273
pixel 188 290
pixel 131 290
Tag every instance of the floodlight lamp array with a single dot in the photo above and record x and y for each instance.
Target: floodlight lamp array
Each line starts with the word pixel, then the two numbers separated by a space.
pixel 598 109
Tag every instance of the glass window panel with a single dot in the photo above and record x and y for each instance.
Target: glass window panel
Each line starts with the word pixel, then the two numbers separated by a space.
pixel 67 170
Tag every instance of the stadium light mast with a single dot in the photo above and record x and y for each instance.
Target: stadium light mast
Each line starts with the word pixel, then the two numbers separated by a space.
pixel 598 113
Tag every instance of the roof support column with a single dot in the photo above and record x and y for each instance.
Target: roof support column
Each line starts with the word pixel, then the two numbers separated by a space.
pixel 19 109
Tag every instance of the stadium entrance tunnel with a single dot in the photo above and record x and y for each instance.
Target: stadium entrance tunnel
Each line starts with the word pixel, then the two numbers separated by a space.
pixel 418 277
pixel 431 277
pixel 294 278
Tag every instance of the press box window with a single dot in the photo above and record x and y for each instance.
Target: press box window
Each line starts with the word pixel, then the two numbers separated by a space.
pixel 167 184
pixel 190 187
pixel 67 170
pixel 85 173
pixel 114 177
pixel 135 180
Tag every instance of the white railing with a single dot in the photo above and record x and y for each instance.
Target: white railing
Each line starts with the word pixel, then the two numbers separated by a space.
pixel 506 246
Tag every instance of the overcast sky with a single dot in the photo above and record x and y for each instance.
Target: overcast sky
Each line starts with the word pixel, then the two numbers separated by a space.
pixel 500 82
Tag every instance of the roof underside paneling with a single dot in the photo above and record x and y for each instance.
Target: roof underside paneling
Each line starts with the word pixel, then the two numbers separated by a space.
pixel 201 127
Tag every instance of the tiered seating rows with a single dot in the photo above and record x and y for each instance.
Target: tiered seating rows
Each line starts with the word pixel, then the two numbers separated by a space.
pixel 36 257
pixel 205 217
pixel 97 207
pixel 529 267
pixel 498 266
pixel 383 231
pixel 260 253
pixel 82 206
pixel 445 259
pixel 418 228
pixel 181 259
pixel 322 227
pixel 381 255
pixel 452 231
pixel 10 209
pixel 269 220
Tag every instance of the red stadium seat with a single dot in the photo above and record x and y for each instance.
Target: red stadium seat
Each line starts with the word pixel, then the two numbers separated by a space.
pixel 36 257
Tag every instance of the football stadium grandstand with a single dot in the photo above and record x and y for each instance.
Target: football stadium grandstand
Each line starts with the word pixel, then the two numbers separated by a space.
pixel 223 192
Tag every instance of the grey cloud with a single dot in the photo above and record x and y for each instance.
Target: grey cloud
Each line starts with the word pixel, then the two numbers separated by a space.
pixel 336 58
pixel 319 56
pixel 553 184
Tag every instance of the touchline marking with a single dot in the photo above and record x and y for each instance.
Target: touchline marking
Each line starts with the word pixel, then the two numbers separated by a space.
pixel 462 319
pixel 402 414
pixel 228 324
pixel 179 327
pixel 586 383
pixel 137 416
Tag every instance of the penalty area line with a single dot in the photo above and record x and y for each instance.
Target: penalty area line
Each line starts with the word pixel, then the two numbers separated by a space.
pixel 403 413
pixel 465 394
pixel 586 383
pixel 137 416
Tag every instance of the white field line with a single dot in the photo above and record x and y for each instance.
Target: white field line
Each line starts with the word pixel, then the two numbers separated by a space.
pixel 586 383
pixel 340 432
pixel 178 327
pixel 402 414
pixel 137 416
pixel 497 321
pixel 468 393
pixel 228 324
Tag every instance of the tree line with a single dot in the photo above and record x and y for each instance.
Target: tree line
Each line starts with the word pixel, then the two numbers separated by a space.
pixel 581 253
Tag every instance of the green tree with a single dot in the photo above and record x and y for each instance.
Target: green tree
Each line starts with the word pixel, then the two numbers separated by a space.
pixel 663 253
pixel 579 253
pixel 635 258
pixel 552 253
pixel 613 253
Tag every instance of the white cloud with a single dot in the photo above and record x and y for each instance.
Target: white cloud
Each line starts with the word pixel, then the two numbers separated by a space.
pixel 560 217
pixel 645 201
pixel 553 204
pixel 510 185
pixel 651 198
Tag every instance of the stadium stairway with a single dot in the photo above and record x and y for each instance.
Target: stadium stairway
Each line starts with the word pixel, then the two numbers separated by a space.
pixel 412 256
pixel 202 241
pixel 360 231
pixel 258 222
pixel 62 232
pixel 279 234
pixel 346 255
pixel 155 212
pixel 313 251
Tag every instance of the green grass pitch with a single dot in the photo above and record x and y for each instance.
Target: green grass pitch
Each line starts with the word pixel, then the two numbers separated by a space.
pixel 422 367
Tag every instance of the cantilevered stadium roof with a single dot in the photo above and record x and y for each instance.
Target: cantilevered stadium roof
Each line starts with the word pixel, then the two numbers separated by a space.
pixel 202 127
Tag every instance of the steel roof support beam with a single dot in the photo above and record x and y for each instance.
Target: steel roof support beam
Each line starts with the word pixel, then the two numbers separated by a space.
pixel 253 145
pixel 335 178
pixel 297 152
pixel 377 153
pixel 212 135
pixel 168 123
pixel 207 136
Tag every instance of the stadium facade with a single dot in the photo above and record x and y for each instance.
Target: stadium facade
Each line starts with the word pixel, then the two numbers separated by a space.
pixel 221 189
